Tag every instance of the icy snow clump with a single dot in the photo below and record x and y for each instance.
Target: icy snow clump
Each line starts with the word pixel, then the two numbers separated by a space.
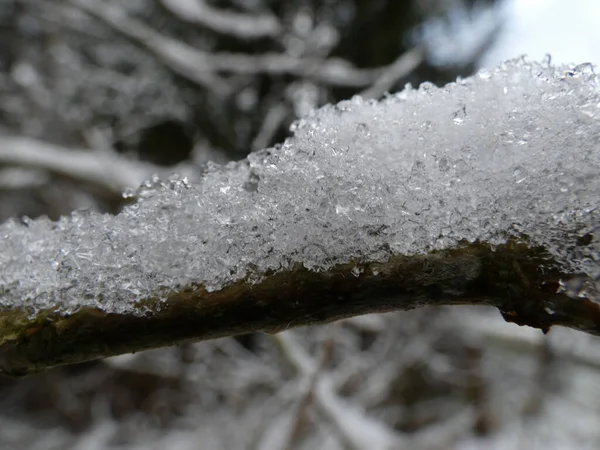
pixel 510 152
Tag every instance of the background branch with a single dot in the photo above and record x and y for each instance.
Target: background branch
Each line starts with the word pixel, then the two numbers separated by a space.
pixel 107 171
pixel 244 26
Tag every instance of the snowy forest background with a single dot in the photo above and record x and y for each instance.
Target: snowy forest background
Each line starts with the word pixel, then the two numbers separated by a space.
pixel 96 96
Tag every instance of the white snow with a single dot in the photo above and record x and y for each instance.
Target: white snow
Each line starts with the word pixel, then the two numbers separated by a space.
pixel 512 151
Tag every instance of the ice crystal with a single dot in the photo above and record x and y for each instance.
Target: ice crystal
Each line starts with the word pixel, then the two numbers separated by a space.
pixel 508 152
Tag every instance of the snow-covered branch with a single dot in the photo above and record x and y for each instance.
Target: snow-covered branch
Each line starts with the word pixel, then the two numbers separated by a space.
pixel 482 192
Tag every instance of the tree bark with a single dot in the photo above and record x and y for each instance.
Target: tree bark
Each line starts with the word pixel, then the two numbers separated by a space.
pixel 484 192
pixel 522 282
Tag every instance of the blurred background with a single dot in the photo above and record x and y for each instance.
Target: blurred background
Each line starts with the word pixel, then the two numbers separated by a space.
pixel 98 95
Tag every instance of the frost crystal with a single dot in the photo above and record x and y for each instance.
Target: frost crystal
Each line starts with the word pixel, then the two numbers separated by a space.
pixel 513 151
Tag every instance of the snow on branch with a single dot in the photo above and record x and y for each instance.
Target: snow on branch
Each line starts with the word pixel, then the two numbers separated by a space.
pixel 482 192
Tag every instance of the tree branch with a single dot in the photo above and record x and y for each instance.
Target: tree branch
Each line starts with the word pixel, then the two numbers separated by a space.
pixel 202 67
pixel 433 197
pixel 403 66
pixel 101 169
pixel 244 26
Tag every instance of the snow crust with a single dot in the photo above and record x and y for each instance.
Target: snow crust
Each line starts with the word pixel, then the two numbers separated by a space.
pixel 510 152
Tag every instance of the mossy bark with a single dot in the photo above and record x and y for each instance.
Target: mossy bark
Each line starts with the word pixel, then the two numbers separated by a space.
pixel 522 282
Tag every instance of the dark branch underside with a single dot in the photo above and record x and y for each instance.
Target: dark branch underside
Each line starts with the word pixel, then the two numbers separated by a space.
pixel 522 282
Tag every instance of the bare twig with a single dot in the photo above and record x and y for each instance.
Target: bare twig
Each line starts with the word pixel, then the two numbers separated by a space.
pixel 307 399
pixel 273 120
pixel 201 67
pixel 399 69
pixel 356 429
pixel 332 71
pixel 181 58
pixel 243 26
pixel 102 169
pixel 578 348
